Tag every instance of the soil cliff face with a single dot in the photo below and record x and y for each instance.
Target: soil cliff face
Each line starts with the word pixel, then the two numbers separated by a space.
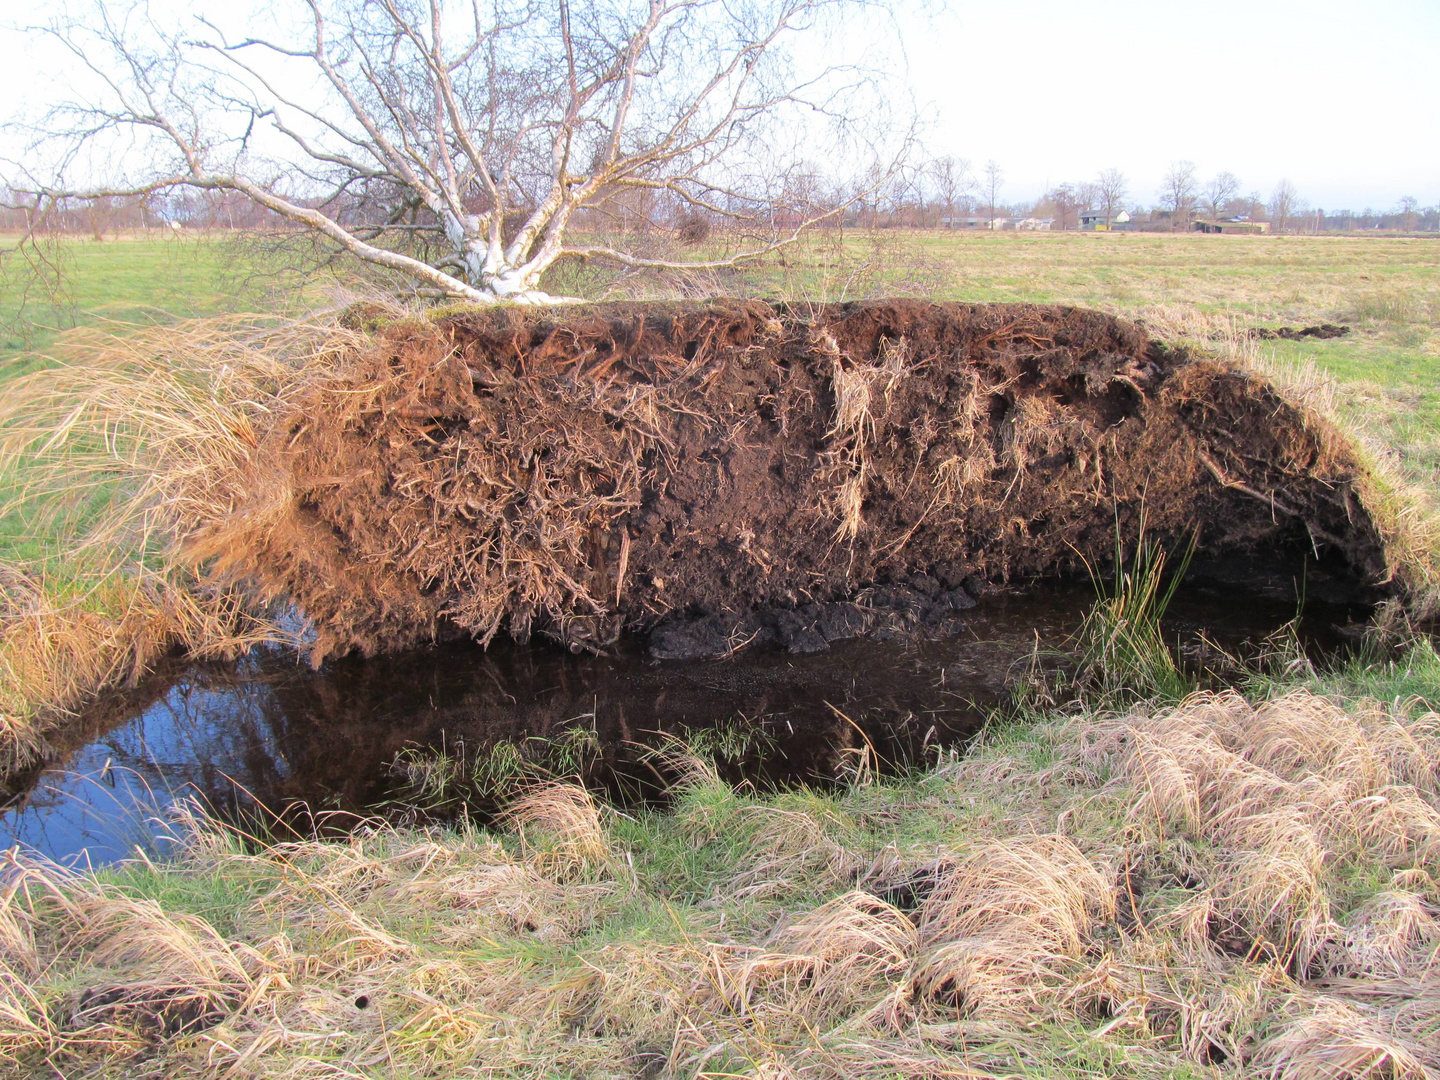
pixel 583 471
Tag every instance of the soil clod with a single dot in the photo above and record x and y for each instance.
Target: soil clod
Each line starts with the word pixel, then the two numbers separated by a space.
pixel 1323 332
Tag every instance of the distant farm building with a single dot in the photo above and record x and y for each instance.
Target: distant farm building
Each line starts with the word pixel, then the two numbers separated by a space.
pixel 1099 221
pixel 974 223
pixel 1034 224
pixel 1231 225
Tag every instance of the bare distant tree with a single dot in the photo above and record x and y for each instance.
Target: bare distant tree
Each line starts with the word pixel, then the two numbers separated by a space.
pixel 1110 191
pixel 457 141
pixel 1068 200
pixel 1407 209
pixel 1284 202
pixel 1219 191
pixel 1177 192
pixel 994 181
pixel 951 178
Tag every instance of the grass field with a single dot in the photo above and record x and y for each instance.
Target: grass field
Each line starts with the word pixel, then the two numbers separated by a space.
pixel 1222 886
pixel 136 280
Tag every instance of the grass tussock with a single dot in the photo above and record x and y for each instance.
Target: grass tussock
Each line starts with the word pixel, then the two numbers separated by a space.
pixel 109 455
pixel 1215 888
pixel 1122 649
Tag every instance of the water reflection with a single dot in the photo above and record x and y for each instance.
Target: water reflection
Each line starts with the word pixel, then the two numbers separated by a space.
pixel 269 732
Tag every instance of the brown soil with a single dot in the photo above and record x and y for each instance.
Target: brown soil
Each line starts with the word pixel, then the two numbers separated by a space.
pixel 583 471
pixel 1324 332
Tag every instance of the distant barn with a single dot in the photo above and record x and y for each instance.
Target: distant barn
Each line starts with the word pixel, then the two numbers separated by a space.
pixel 1231 225
pixel 975 223
pixel 1099 221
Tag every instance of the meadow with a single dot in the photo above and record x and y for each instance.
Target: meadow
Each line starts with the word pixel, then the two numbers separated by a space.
pixel 1120 877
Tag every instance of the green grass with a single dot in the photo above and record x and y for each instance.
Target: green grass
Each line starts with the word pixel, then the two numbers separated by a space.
pixel 135 280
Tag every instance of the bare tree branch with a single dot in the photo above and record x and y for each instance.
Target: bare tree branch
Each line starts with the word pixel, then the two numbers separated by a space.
pixel 462 143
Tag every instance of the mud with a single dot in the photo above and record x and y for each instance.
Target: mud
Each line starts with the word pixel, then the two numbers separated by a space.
pixel 748 469
pixel 1323 332
pixel 923 608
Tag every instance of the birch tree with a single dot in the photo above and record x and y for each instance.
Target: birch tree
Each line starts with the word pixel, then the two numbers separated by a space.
pixel 461 143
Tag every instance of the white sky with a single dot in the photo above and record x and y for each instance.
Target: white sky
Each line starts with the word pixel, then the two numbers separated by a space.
pixel 1341 98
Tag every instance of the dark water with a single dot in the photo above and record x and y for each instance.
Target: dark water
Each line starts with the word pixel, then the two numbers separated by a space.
pixel 257 737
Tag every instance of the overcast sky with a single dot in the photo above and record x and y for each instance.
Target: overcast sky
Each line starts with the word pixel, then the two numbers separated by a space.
pixel 1341 98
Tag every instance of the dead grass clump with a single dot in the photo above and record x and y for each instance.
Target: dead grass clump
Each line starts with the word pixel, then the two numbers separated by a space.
pixel 1328 1040
pixel 1391 933
pixel 560 824
pixel 1005 925
pixel 144 973
pixel 514 898
pixel 851 945
pixel 791 848
pixel 1280 790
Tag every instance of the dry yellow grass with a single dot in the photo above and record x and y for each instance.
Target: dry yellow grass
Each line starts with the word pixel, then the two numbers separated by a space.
pixel 109 457
pixel 1218 889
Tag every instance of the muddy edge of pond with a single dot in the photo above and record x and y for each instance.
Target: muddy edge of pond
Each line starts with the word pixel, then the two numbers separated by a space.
pixel 603 469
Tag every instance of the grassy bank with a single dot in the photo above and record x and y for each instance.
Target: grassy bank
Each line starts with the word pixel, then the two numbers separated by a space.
pixel 1214 889
pixel 109 450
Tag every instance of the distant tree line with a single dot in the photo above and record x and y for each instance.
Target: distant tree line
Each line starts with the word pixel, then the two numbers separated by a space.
pixel 941 193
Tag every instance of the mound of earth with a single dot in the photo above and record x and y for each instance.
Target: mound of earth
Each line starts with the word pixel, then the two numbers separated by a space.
pixel 1323 332
pixel 584 471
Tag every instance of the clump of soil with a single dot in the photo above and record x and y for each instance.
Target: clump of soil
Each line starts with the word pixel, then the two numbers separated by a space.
pixel 1323 332
pixel 920 607
pixel 585 471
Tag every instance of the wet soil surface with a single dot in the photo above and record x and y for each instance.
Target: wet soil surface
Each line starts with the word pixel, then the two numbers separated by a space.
pixel 1323 332
pixel 260 736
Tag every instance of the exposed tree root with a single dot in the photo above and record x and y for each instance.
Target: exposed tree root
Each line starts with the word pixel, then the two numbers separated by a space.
pixel 586 471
